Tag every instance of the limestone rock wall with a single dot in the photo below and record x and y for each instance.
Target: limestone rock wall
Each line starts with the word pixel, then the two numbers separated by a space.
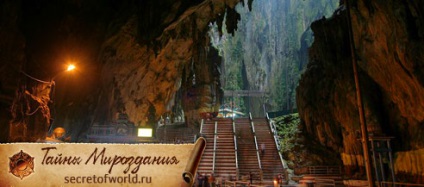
pixel 388 37
pixel 24 103
pixel 143 58
pixel 176 67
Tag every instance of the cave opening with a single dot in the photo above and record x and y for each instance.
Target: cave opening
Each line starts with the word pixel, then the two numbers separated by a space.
pixel 262 61
pixel 143 64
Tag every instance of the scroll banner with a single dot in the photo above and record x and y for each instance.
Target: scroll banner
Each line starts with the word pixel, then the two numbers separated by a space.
pixel 67 164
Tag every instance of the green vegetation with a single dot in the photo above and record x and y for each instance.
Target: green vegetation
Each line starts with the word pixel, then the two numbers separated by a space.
pixel 287 128
pixel 269 49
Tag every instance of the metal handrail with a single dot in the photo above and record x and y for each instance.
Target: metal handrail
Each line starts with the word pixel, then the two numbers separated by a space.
pixel 201 125
pixel 267 116
pixel 214 147
pixel 276 139
pixel 251 124
pixel 256 145
pixel 324 170
pixel 277 144
pixel 271 125
pixel 235 149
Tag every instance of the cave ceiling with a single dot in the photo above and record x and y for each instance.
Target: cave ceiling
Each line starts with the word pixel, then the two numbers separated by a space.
pixel 132 57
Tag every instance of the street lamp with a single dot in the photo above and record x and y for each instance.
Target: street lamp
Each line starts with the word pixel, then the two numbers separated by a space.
pixel 70 67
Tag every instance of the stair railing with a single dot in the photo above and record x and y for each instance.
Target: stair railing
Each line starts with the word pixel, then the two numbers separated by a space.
pixel 256 141
pixel 276 139
pixel 271 125
pixel 235 149
pixel 201 126
pixel 214 146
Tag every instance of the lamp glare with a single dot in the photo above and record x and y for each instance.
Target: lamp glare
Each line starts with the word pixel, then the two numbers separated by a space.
pixel 70 67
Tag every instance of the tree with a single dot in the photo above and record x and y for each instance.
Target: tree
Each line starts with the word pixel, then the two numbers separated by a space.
pixel 267 52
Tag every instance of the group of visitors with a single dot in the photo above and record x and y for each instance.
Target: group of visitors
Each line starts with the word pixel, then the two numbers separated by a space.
pixel 178 141
pixel 203 180
pixel 166 121
pixel 279 179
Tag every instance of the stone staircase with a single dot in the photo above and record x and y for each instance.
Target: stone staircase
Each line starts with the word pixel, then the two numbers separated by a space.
pixel 224 164
pixel 206 163
pixel 225 160
pixel 270 160
pixel 246 149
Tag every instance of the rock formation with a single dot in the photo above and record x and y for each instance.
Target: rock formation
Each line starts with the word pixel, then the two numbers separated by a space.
pixel 142 58
pixel 388 38
pixel 174 69
pixel 152 58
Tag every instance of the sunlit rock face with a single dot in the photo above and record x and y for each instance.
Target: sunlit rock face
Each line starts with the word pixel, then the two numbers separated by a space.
pixel 388 38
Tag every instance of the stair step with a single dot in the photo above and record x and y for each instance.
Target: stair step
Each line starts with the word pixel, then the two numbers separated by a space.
pixel 246 149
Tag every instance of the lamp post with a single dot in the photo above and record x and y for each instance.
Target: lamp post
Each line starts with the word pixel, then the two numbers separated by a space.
pixel 52 82
pixel 70 67
pixel 362 121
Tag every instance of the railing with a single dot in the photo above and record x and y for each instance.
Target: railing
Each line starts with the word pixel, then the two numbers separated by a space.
pixel 214 147
pixel 256 141
pixel 325 170
pixel 179 137
pixel 201 126
pixel 235 149
pixel 271 126
pixel 398 184
pixel 276 139
pixel 183 135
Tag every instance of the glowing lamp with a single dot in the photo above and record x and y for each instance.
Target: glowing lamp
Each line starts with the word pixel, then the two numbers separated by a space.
pixel 70 67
